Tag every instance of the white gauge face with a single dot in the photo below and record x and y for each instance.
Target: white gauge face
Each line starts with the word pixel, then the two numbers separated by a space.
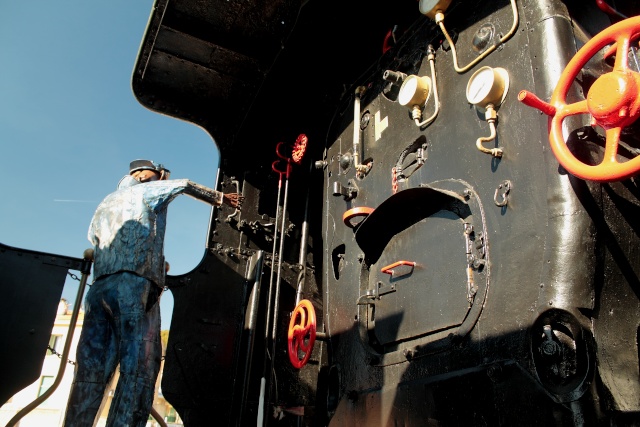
pixel 427 6
pixel 407 90
pixel 414 91
pixel 480 84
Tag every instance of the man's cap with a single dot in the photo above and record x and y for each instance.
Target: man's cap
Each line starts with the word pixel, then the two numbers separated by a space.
pixel 140 164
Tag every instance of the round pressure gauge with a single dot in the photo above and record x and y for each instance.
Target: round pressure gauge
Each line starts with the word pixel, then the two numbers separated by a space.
pixel 430 7
pixel 488 86
pixel 415 90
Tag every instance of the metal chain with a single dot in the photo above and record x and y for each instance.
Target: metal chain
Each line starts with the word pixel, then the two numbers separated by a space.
pixel 69 361
pixel 394 181
pixel 73 276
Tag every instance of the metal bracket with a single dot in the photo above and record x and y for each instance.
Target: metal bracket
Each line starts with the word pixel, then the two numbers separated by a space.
pixel 348 193
pixel 375 293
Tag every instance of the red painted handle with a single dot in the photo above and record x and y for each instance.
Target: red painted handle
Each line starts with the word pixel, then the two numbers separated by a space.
pixel 360 212
pixel 389 268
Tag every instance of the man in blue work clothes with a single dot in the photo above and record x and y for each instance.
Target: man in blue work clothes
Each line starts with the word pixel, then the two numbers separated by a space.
pixel 122 311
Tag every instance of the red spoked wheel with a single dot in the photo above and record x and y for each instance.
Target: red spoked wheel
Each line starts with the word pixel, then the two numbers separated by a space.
pixel 613 101
pixel 299 148
pixel 302 334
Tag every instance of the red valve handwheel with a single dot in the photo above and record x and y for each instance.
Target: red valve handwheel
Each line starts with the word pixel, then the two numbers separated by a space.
pixel 299 148
pixel 613 101
pixel 299 332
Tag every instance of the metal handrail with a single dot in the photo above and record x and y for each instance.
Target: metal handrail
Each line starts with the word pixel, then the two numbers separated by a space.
pixel 86 270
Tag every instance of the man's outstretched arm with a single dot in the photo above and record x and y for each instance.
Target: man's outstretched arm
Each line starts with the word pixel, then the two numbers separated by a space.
pixel 213 197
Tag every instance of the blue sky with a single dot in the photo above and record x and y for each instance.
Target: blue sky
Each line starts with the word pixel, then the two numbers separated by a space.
pixel 70 125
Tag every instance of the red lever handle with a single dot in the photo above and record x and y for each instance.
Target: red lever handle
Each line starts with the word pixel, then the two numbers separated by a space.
pixel 389 268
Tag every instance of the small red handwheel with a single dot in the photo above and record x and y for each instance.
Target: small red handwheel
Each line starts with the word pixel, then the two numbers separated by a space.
pixel 299 148
pixel 613 101
pixel 302 335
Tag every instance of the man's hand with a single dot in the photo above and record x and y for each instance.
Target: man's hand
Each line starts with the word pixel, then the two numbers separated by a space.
pixel 233 199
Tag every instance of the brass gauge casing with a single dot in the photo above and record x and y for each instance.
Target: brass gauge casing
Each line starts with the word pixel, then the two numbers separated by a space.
pixel 415 90
pixel 488 86
pixel 431 7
